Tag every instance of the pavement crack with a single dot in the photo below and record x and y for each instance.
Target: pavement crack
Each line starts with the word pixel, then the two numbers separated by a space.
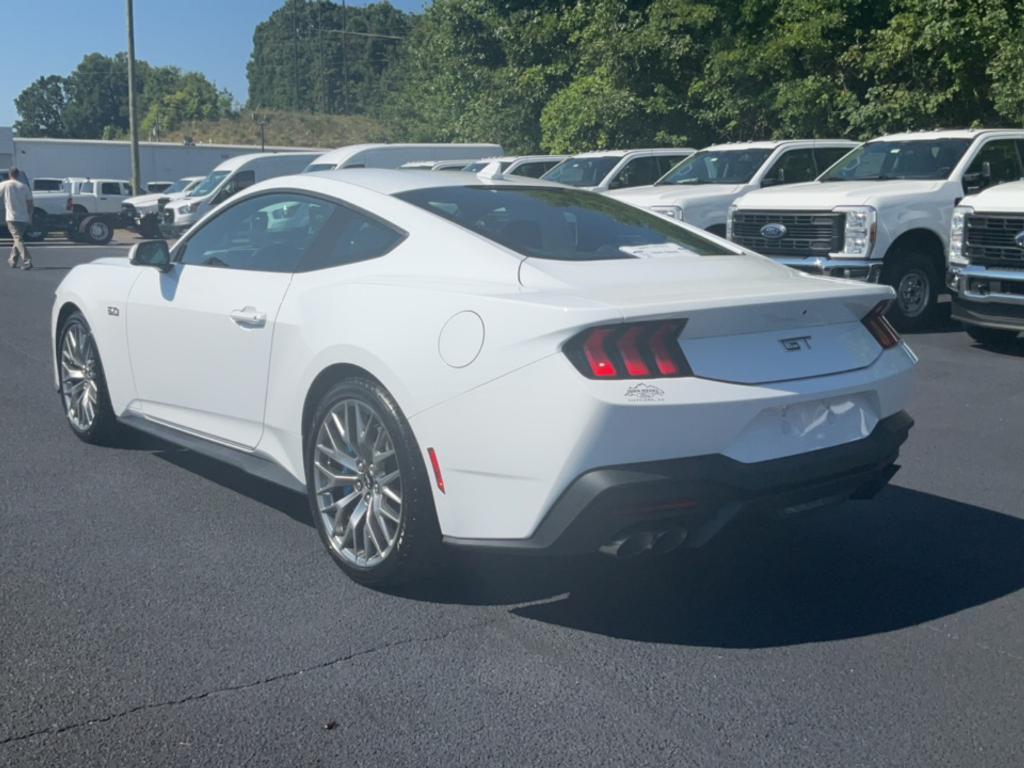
pixel 58 729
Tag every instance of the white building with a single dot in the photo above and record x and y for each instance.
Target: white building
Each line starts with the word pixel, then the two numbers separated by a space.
pixel 159 161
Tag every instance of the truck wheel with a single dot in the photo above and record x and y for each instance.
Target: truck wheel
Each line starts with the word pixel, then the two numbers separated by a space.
pixel 997 338
pixel 96 230
pixel 917 286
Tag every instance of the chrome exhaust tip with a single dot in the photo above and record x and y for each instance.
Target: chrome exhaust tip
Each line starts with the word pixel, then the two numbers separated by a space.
pixel 630 546
pixel 668 540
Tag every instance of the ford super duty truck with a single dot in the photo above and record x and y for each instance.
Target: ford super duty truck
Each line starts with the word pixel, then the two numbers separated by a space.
pixel 986 263
pixel 881 213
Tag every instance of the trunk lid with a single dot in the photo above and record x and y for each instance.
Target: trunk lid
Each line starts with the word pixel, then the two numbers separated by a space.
pixel 748 319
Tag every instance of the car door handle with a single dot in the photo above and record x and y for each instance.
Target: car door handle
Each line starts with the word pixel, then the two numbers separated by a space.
pixel 248 317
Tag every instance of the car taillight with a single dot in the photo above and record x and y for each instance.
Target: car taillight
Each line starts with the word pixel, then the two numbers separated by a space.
pixel 880 327
pixel 648 350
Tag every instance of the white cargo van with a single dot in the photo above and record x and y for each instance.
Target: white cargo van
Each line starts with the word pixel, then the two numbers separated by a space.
pixel 397 155
pixel 231 176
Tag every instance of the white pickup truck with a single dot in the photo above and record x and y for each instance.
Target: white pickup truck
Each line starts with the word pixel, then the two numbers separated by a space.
pixel 882 213
pixel 986 263
pixel 700 189
pixel 142 213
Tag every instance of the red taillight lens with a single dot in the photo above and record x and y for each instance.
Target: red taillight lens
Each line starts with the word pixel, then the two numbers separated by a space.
pixel 880 327
pixel 631 351
pixel 436 466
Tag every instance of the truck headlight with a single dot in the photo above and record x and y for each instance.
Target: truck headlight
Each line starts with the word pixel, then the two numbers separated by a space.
pixel 190 208
pixel 956 236
pixel 672 211
pixel 728 222
pixel 859 231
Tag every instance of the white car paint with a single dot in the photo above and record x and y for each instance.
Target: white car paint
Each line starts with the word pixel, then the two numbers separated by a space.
pixel 150 203
pixel 468 337
pixel 706 205
pixel 231 176
pixel 397 155
pixel 905 214
pixel 531 166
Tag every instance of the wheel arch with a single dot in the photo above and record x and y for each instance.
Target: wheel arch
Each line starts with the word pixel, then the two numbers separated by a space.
pixel 323 381
pixel 924 241
pixel 67 308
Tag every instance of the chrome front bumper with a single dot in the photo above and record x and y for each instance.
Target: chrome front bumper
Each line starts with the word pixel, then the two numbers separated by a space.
pixel 865 270
pixel 987 284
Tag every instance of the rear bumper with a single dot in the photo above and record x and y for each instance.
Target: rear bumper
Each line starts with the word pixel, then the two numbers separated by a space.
pixel 703 493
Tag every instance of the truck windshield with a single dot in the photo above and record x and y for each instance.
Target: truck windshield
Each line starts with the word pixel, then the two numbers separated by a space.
pixel 889 160
pixel 179 186
pixel 210 183
pixel 727 166
pixel 582 171
pixel 561 224
pixel 314 167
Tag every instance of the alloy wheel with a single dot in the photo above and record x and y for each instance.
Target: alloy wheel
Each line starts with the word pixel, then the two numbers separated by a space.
pixel 78 372
pixel 357 483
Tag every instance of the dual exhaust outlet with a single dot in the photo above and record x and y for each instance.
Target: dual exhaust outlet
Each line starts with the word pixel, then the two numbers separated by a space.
pixel 654 541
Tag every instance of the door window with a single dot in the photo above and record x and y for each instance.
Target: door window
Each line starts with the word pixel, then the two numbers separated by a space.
pixel 266 233
pixel 667 162
pixel 826 157
pixel 638 172
pixel 87 188
pixel 110 188
pixel 238 182
pixel 351 236
pixel 1003 163
pixel 792 167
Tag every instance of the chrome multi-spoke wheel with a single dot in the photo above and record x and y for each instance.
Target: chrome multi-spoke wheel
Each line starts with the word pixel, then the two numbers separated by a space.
pixel 357 483
pixel 79 366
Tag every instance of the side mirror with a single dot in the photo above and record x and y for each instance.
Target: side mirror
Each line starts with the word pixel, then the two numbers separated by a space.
pixel 151 253
pixel 774 181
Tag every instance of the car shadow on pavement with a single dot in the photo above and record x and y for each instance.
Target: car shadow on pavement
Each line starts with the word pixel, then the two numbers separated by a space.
pixel 865 568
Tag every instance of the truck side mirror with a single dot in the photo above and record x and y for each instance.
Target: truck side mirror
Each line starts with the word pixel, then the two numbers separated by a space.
pixel 774 181
pixel 151 253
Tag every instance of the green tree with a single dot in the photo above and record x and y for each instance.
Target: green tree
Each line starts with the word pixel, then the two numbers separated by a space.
pixel 196 98
pixel 41 109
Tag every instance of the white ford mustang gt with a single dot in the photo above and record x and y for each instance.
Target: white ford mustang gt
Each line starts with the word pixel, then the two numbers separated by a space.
pixel 487 363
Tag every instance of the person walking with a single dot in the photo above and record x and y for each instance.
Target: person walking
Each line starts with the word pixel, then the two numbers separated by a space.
pixel 17 198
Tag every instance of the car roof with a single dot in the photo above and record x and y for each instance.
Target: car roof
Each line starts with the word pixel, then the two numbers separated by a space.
pixel 963 133
pixel 236 162
pixel 773 144
pixel 391 181
pixel 341 154
pixel 624 152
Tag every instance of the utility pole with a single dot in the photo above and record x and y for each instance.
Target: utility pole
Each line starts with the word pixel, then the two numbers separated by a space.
pixel 133 118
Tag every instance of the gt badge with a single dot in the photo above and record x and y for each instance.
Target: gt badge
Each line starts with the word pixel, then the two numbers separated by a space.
pixel 113 311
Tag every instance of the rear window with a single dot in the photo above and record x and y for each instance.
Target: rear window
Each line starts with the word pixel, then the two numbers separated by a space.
pixel 561 224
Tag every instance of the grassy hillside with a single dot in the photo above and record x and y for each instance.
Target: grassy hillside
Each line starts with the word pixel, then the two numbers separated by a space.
pixel 295 129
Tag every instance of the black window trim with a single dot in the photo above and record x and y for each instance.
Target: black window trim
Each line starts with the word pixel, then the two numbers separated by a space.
pixel 179 247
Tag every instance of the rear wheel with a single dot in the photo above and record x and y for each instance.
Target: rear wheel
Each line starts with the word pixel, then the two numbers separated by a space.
pixel 991 337
pixel 96 230
pixel 368 487
pixel 917 286
pixel 83 387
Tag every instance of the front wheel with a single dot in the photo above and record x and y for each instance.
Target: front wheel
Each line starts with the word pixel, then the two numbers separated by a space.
pixel 991 337
pixel 368 488
pixel 917 286
pixel 83 387
pixel 96 230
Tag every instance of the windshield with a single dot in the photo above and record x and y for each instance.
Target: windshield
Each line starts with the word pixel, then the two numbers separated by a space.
pixel 727 166
pixel 314 167
pixel 179 186
pixel 886 160
pixel 582 171
pixel 210 183
pixel 561 224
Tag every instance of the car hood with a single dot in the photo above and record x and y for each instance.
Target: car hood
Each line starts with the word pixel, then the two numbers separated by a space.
pixel 816 195
pixel 674 194
pixel 1005 198
pixel 150 199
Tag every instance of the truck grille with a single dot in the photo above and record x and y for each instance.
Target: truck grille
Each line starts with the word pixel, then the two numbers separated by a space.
pixel 808 233
pixel 991 239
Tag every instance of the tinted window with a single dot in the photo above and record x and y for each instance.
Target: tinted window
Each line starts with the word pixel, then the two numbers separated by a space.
pixel 238 182
pixel 727 166
pixel 667 162
pixel 826 156
pixel 912 159
pixel 210 183
pixel 637 172
pixel 562 224
pixel 110 188
pixel 793 166
pixel 351 236
pixel 582 171
pixel 46 185
pixel 266 233
pixel 534 170
pixel 1002 159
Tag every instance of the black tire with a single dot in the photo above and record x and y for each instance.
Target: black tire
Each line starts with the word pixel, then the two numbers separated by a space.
pixel 104 429
pixel 916 281
pixel 417 540
pixel 717 229
pixel 149 229
pixel 997 338
pixel 96 230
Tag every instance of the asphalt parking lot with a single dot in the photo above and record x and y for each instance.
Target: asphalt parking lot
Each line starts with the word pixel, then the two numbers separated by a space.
pixel 157 608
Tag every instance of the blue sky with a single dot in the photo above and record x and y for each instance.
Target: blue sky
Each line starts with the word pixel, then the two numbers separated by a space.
pixel 209 36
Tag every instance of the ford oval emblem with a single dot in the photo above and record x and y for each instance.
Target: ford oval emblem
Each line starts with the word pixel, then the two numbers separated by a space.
pixel 1019 239
pixel 773 231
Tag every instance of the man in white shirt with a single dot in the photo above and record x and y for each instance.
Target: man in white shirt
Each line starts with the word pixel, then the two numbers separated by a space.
pixel 17 198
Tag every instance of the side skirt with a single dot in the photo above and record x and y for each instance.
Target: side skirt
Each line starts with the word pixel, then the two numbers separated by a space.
pixel 247 462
